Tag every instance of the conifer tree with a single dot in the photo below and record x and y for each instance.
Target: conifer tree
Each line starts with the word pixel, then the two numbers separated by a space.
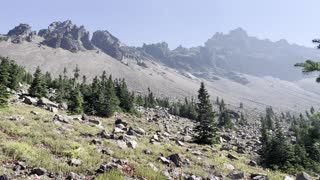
pixel 76 101
pixel 38 87
pixel 4 81
pixel 206 129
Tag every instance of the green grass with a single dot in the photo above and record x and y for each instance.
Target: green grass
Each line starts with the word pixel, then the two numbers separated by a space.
pixel 44 143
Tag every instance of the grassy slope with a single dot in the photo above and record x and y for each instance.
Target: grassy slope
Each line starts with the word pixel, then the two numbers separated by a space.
pixel 43 143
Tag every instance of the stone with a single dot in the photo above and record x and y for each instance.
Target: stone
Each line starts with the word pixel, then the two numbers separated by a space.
pixel 232 157
pixel 4 177
pixel 119 121
pixel 104 134
pixel 107 152
pixel 288 178
pixel 179 143
pixel 152 166
pixel 229 166
pixel 73 176
pixel 95 122
pixel 186 139
pixel 96 142
pixel 30 100
pixel 21 33
pixel 118 130
pixel 175 158
pixel 132 144
pixel 259 176
pixel 35 113
pixel 63 106
pixel 53 109
pixel 136 131
pixel 75 162
pixel 164 160
pixel 61 118
pixel 236 175
pixel 303 176
pixel 106 167
pixel 38 171
pixel 146 151
pixel 108 43
pixel 46 102
pixel 252 163
pixel 16 118
pixel 67 36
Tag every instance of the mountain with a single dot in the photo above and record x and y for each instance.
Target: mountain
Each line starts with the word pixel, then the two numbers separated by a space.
pixel 235 66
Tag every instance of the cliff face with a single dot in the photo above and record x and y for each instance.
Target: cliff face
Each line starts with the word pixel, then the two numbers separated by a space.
pixel 67 36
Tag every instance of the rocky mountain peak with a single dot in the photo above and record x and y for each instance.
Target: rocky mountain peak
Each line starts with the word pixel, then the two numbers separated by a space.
pixel 67 36
pixel 21 33
pixel 239 32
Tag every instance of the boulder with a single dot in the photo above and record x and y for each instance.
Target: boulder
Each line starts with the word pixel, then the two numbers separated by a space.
pixel 229 166
pixel 34 113
pixel 38 171
pixel 30 100
pixel 232 157
pixel 252 163
pixel 61 118
pixel 73 176
pixel 16 118
pixel 288 178
pixel 175 158
pixel 236 175
pixel 258 176
pixel 136 131
pixel 95 122
pixel 74 162
pixel 303 176
pixel 104 134
pixel 164 160
pixel 46 102
pixel 119 121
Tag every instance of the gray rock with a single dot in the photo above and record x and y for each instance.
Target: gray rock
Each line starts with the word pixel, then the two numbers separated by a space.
pixel 67 36
pixel 303 176
pixel 21 33
pixel 46 102
pixel 95 122
pixel 35 113
pixel 61 118
pixel 30 100
pixel 252 163
pixel 136 131
pixel 16 118
pixel 4 177
pixel 104 134
pixel 75 162
pixel 236 175
pixel 259 177
pixel 164 160
pixel 175 158
pixel 232 157
pixel 53 109
pixel 38 171
pixel 73 176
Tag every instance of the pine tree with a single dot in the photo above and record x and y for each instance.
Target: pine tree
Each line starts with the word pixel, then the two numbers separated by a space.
pixel 76 101
pixel 38 87
pixel 4 81
pixel 206 130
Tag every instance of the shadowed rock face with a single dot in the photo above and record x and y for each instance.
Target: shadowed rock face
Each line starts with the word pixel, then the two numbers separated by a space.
pixel 108 44
pixel 67 36
pixel 21 33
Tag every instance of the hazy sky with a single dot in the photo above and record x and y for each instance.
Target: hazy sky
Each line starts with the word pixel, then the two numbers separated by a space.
pixel 186 22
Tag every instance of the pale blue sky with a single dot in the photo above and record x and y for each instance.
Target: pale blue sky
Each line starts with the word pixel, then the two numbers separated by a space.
pixel 186 22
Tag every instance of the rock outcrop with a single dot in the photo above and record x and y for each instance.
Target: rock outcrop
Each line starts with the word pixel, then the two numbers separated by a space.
pixel 67 36
pixel 112 46
pixel 21 33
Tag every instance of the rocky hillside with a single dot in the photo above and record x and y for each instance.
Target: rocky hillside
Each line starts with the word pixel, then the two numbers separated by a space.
pixel 39 140
pixel 172 73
